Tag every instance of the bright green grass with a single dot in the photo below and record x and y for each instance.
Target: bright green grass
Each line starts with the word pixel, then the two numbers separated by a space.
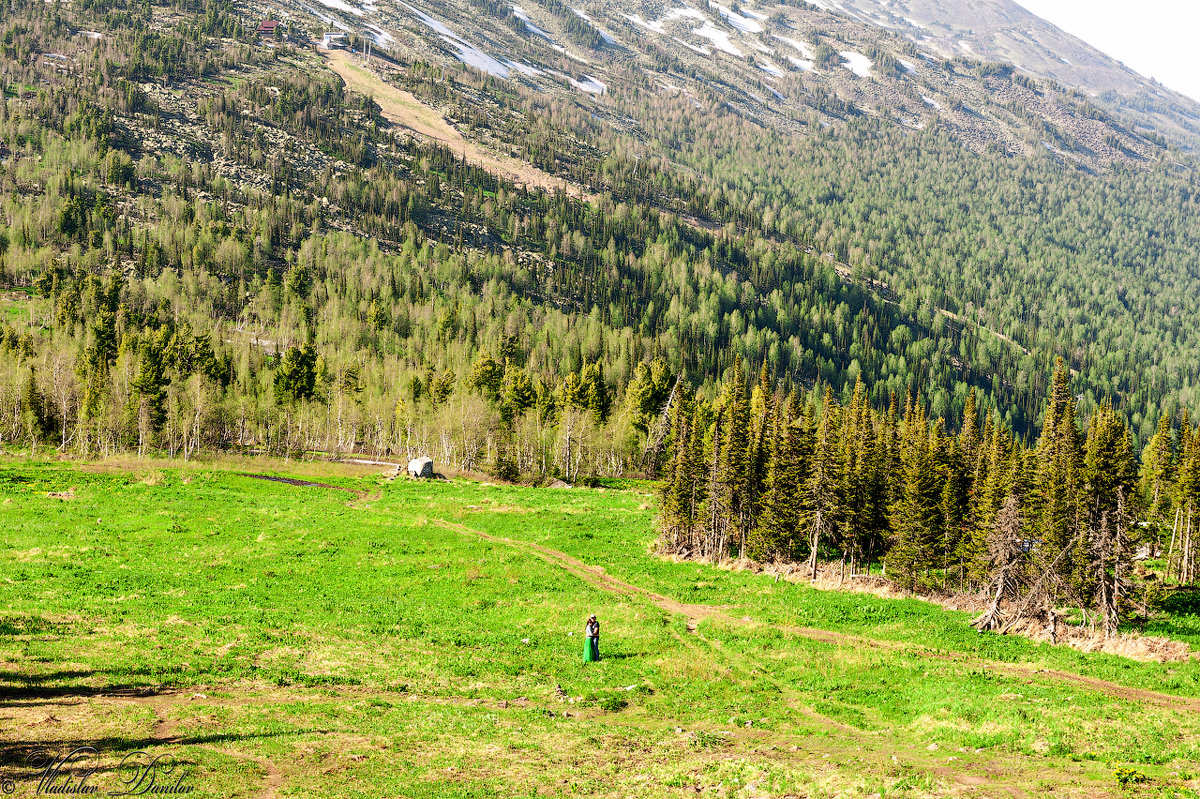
pixel 421 660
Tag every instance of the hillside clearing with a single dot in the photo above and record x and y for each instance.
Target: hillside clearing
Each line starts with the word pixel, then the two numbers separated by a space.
pixel 280 641
pixel 404 109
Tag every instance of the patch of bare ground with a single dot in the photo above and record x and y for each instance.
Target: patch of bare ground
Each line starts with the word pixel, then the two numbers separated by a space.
pixel 292 481
pixel 406 110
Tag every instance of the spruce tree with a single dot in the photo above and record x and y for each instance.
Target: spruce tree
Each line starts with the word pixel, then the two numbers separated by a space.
pixel 917 514
pixel 1054 501
pixel 1111 503
pixel 1158 471
pixel 778 533
pixel 732 481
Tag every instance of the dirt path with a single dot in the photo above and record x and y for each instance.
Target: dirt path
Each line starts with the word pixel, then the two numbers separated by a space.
pixel 597 577
pixel 1114 690
pixel 406 110
pixel 292 481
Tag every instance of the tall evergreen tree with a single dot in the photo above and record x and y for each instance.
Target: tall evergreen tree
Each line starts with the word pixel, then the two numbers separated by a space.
pixel 733 479
pixel 1158 472
pixel 779 531
pixel 1054 502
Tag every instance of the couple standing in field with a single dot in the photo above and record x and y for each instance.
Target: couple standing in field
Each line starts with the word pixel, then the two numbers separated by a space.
pixel 591 640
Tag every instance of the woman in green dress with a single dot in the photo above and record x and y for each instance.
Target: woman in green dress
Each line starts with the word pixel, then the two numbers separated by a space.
pixel 591 640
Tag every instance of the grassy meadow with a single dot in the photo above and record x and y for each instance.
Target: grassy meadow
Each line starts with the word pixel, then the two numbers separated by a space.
pixel 386 637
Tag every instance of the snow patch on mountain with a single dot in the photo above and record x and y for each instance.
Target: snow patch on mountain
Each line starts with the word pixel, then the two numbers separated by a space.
pixel 524 69
pixel 381 37
pixel 656 26
pixel 437 26
pixel 743 24
pixel 857 63
pixel 804 49
pixel 589 85
pixel 474 57
pixel 341 6
pixel 769 68
pixel 328 20
pixel 686 11
pixel 692 47
pixel 467 53
pixel 605 35
pixel 719 39
pixel 520 14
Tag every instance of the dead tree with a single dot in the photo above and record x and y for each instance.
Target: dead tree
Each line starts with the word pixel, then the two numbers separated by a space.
pixel 1005 557
pixel 1012 566
pixel 1110 561
pixel 657 433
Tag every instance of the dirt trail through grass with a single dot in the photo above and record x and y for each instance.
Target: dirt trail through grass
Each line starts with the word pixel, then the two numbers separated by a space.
pixel 292 481
pixel 595 575
pixel 694 613
pixel 406 110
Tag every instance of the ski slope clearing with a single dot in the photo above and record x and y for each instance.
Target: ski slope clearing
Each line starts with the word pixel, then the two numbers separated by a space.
pixel 404 109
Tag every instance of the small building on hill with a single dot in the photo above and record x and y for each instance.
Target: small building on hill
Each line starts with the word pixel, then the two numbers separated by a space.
pixel 268 29
pixel 333 39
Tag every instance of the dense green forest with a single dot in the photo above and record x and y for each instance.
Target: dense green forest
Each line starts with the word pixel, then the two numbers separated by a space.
pixel 207 243
pixel 787 476
pixel 996 265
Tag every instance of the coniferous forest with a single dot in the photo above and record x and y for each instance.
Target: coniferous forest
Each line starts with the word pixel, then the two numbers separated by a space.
pixel 786 475
pixel 207 244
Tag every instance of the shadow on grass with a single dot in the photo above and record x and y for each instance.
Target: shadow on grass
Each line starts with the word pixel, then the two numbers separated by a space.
pixel 19 687
pixel 1181 602
pixel 23 761
pixel 1178 617
pixel 71 674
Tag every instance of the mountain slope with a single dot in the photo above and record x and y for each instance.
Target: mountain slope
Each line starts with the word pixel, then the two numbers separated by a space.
pixel 788 66
pixel 1002 31
pixel 212 226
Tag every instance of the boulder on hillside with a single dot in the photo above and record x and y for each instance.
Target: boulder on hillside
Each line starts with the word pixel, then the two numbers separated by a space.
pixel 420 467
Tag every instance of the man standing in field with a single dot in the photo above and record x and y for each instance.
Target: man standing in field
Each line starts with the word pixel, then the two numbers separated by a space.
pixel 591 641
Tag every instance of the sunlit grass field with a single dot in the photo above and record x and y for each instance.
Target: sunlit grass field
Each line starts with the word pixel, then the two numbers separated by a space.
pixel 389 637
